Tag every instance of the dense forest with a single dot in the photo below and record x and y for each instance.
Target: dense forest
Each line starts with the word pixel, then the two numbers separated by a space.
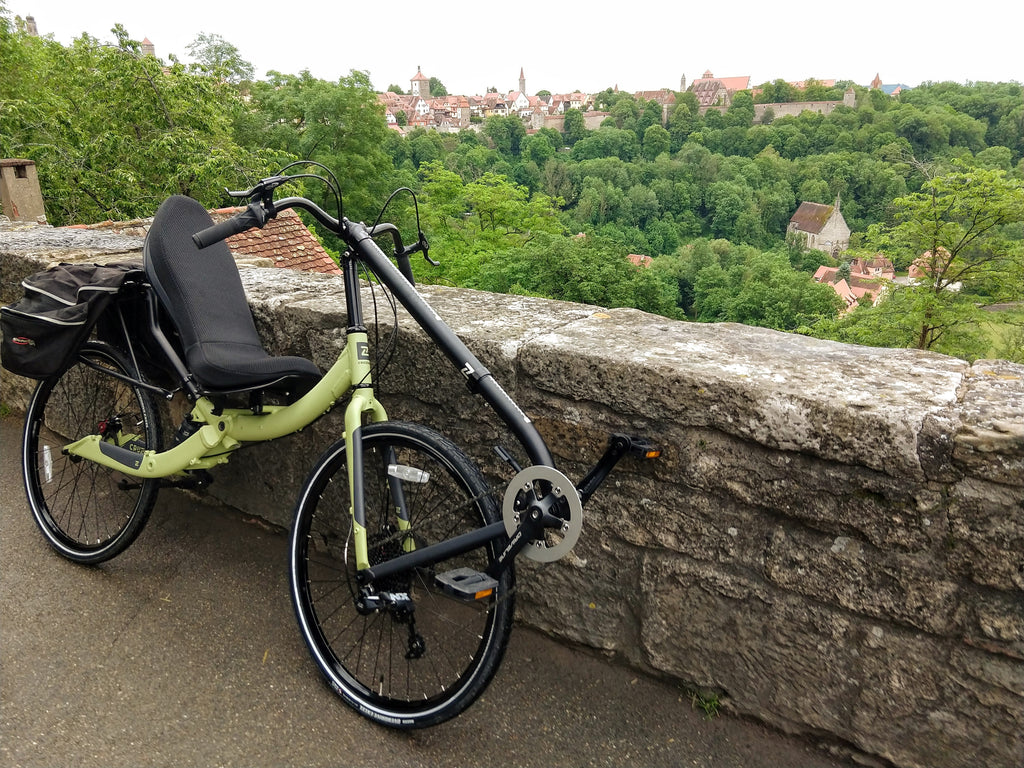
pixel 936 172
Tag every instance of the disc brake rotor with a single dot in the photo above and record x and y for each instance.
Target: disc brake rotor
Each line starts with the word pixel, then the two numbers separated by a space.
pixel 526 486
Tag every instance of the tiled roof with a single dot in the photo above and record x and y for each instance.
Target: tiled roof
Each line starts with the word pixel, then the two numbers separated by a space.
pixel 285 241
pixel 802 84
pixel 854 290
pixel 706 91
pixel 736 83
pixel 664 96
pixel 825 274
pixel 729 83
pixel 811 217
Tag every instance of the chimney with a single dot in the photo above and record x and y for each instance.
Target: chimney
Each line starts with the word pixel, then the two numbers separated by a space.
pixel 20 197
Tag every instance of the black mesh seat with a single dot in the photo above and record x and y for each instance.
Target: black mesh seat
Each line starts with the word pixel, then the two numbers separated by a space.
pixel 202 292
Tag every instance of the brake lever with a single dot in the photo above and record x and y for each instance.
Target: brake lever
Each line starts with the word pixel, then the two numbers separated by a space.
pixel 262 188
pixel 426 251
pixel 423 247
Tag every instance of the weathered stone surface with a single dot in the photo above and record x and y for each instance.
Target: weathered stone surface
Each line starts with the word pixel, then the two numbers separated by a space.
pixel 833 540
pixel 990 443
pixel 891 692
pixel 67 244
pixel 843 571
pixel 783 391
pixel 986 533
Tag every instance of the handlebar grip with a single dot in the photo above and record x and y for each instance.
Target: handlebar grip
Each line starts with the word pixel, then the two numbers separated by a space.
pixel 247 219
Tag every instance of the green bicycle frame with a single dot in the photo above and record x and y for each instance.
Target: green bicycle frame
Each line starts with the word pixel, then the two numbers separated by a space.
pixel 223 431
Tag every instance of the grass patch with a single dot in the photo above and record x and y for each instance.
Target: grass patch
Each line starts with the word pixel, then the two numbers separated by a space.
pixel 1004 329
pixel 706 702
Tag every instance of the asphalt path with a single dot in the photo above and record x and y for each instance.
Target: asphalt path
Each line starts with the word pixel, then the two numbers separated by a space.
pixel 184 652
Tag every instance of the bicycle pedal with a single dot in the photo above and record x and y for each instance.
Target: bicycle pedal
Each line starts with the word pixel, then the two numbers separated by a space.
pixel 643 448
pixel 466 584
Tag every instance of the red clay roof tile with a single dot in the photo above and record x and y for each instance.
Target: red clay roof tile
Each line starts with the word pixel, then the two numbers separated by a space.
pixel 286 242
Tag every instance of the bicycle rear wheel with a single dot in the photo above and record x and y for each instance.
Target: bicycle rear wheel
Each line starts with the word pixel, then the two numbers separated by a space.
pixel 426 662
pixel 88 513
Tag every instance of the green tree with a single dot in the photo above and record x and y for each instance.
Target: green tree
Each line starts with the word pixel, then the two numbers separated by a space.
pixel 587 270
pixel 814 90
pixel 437 88
pixel 216 56
pixel 574 127
pixel 776 92
pixel 624 113
pixel 607 141
pixel 762 290
pixel 113 132
pixel 538 148
pixel 741 110
pixel 340 124
pixel 684 121
pixel 425 147
pixel 656 141
pixel 958 231
pixel 506 133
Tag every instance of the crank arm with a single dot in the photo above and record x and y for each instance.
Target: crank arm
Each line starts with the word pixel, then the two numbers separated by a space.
pixel 619 446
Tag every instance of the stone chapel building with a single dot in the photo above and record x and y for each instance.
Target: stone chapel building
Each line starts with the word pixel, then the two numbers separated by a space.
pixel 822 227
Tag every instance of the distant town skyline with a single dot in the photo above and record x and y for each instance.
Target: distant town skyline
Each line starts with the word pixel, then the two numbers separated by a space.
pixel 471 48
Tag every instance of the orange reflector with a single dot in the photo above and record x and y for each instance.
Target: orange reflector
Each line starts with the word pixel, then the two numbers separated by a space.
pixel 653 453
pixel 485 593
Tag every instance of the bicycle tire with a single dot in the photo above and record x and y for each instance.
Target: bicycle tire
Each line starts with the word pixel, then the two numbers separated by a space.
pixel 365 657
pixel 88 513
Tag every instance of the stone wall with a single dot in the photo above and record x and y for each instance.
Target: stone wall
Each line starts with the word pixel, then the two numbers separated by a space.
pixel 793 109
pixel 833 542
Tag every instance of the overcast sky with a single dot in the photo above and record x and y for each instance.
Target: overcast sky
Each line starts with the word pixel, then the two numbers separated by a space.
pixel 563 46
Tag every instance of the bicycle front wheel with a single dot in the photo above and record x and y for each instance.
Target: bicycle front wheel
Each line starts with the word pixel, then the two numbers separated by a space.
pixel 88 513
pixel 426 660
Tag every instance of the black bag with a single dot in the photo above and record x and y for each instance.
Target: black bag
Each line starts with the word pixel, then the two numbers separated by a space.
pixel 43 331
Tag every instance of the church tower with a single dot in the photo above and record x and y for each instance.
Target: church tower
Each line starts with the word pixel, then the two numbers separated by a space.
pixel 522 82
pixel 419 85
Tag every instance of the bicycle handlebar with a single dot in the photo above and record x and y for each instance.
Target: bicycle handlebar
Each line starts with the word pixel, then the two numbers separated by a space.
pixel 255 215
pixel 259 212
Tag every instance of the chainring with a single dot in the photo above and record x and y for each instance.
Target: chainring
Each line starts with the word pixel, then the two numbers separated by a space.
pixel 523 489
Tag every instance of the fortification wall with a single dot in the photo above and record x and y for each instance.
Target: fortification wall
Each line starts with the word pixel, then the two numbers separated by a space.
pixel 833 542
pixel 794 109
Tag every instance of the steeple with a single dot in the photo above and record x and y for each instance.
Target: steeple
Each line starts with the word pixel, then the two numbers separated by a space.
pixel 522 82
pixel 419 85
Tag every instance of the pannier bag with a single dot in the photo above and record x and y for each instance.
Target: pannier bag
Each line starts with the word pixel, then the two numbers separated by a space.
pixel 43 331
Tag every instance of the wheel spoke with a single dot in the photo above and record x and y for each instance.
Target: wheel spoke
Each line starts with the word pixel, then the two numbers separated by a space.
pixel 419 656
pixel 79 506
